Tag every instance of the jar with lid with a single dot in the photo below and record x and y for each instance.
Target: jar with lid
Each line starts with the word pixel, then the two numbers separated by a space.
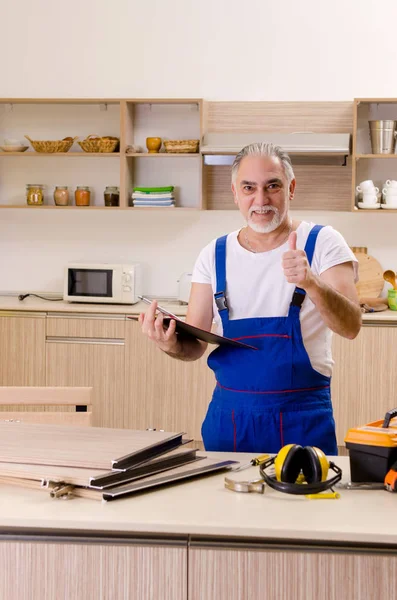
pixel 61 195
pixel 112 196
pixel 82 195
pixel 35 194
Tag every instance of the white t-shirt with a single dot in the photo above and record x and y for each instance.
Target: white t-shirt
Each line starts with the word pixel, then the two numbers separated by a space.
pixel 257 287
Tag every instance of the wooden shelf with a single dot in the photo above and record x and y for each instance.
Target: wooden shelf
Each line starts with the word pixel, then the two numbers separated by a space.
pixel 73 207
pixel 80 154
pixel 373 210
pixel 163 208
pixel 53 206
pixel 376 100
pixel 163 154
pixel 358 156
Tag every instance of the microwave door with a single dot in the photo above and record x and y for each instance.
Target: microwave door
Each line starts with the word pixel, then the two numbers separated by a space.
pixel 90 283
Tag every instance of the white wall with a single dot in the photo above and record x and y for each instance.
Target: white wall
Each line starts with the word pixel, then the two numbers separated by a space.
pixel 216 49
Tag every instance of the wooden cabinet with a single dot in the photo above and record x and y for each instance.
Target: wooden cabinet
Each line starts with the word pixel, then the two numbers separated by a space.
pixel 88 350
pixel 364 379
pixel 22 348
pixel 286 573
pixel 161 392
pixel 90 569
pixel 323 181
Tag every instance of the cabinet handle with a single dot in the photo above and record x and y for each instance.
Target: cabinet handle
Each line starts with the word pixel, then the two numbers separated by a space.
pixel 82 340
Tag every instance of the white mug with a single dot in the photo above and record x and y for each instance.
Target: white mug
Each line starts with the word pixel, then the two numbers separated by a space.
pixel 366 186
pixel 370 198
pixel 391 183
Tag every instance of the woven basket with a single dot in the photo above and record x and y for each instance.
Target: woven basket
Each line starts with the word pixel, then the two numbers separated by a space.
pixel 95 143
pixel 181 146
pixel 52 145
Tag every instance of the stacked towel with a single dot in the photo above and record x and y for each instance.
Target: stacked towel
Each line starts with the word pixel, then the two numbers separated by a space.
pixel 153 196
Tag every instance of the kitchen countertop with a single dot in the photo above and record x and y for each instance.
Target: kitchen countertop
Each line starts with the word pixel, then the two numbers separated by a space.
pixel 205 507
pixel 11 303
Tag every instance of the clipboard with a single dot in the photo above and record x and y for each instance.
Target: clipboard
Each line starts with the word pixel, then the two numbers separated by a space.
pixel 184 329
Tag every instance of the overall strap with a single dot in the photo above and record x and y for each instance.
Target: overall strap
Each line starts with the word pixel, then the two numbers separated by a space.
pixel 220 270
pixel 299 294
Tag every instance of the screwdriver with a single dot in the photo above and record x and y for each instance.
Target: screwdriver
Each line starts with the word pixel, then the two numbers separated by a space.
pixel 254 462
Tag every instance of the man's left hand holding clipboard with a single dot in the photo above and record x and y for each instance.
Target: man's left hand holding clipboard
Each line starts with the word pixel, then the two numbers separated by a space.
pixel 181 347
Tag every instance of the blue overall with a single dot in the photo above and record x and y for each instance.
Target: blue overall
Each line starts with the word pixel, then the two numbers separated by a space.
pixel 272 396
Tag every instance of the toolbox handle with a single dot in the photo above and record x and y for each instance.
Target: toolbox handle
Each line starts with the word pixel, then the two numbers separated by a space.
pixel 388 416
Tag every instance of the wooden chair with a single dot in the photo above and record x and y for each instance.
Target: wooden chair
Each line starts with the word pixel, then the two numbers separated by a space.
pixel 32 400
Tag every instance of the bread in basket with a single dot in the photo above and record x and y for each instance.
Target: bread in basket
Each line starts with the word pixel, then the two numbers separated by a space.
pixel 95 143
pixel 51 146
pixel 181 146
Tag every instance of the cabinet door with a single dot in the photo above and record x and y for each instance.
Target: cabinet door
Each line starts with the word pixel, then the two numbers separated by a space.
pixel 364 379
pixel 162 392
pixel 22 348
pixel 52 569
pixel 288 574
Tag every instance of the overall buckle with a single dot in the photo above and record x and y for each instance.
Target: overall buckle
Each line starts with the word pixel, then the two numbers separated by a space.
pixel 298 298
pixel 220 301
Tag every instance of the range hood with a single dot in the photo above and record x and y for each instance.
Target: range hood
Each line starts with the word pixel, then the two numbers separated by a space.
pixel 221 148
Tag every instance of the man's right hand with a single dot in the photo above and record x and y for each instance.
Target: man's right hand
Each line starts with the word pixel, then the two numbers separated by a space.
pixel 153 327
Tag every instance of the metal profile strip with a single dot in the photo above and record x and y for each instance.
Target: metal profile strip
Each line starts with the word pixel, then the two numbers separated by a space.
pixel 289 545
pixel 22 313
pixel 140 456
pixel 84 340
pixel 117 492
pixel 87 315
pixel 151 468
pixel 60 536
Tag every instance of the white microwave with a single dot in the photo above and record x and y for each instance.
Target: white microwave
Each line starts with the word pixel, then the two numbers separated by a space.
pixel 102 282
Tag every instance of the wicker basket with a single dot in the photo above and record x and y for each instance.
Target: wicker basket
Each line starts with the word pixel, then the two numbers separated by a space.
pixel 51 146
pixel 187 146
pixel 95 143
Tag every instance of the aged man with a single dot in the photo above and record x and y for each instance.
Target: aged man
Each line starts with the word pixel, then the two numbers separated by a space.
pixel 283 286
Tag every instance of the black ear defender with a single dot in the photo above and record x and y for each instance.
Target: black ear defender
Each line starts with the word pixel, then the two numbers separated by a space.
pixel 294 463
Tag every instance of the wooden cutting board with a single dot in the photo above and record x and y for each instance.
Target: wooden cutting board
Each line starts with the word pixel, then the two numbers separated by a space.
pixel 370 274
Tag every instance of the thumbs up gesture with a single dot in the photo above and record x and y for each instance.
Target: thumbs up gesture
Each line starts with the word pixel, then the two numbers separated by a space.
pixel 295 264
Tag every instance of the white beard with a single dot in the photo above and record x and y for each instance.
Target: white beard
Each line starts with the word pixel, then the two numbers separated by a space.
pixel 267 227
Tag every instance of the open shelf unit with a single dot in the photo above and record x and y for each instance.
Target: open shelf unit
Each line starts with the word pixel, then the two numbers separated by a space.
pixel 366 165
pixel 129 119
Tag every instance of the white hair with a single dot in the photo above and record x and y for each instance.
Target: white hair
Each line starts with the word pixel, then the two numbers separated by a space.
pixel 268 150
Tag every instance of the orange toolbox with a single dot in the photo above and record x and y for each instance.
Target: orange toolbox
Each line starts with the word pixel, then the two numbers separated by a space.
pixel 373 449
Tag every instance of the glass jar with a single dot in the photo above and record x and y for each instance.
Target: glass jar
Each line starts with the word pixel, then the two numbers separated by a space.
pixel 35 194
pixel 112 196
pixel 82 195
pixel 61 195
